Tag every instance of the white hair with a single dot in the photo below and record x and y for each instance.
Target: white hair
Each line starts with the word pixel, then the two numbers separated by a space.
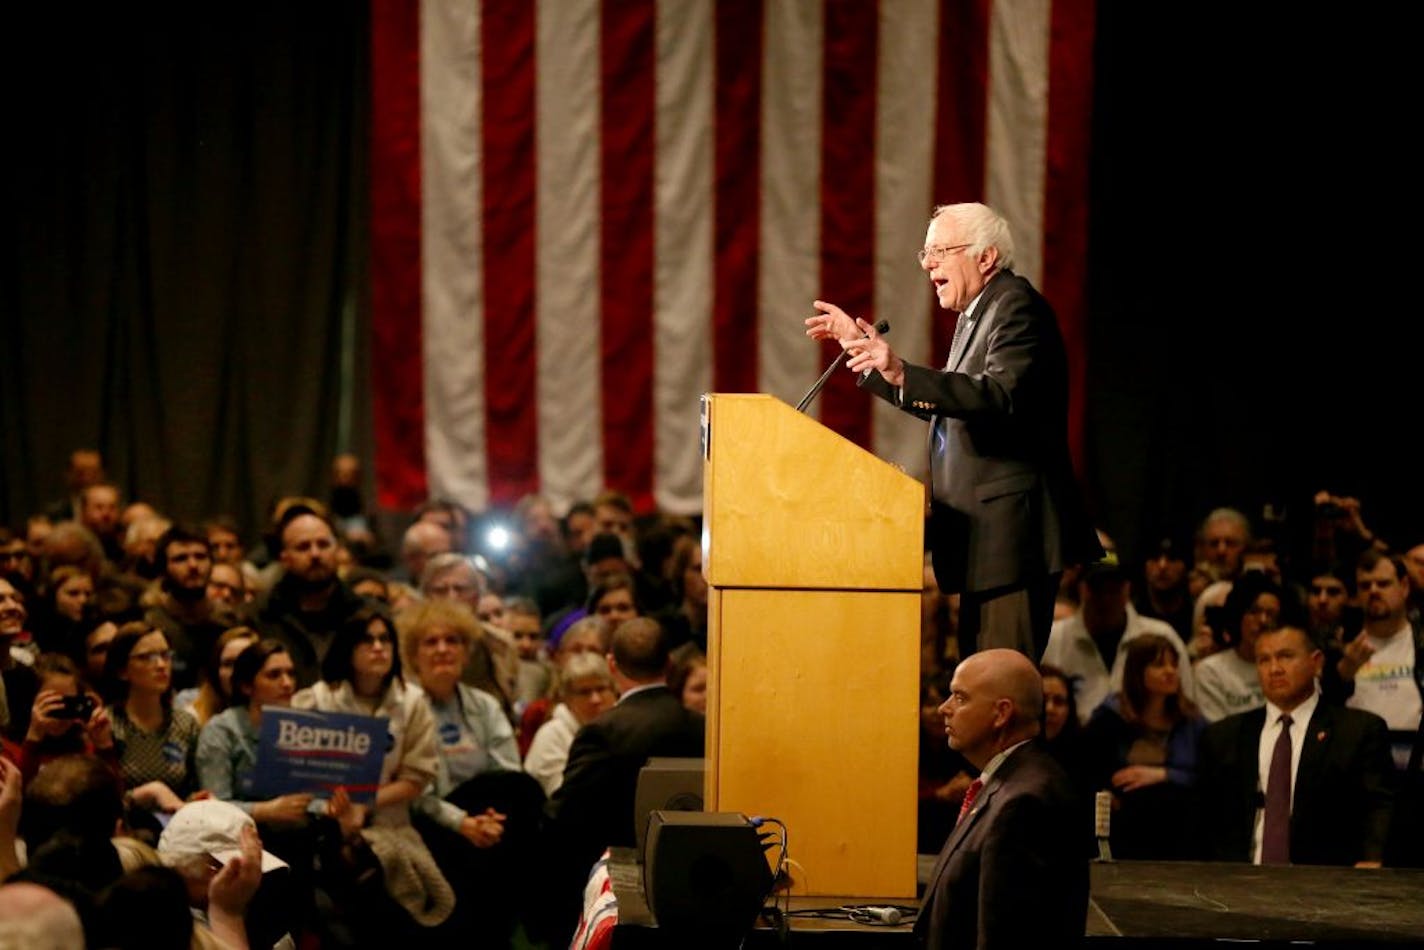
pixel 982 227
pixel 35 918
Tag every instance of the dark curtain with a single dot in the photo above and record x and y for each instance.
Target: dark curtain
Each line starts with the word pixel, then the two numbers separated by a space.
pixel 1253 326
pixel 182 244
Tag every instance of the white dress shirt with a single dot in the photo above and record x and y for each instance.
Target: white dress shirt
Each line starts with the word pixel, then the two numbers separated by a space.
pixel 1270 732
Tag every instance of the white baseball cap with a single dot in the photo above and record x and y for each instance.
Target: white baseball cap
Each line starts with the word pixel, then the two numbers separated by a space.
pixel 209 826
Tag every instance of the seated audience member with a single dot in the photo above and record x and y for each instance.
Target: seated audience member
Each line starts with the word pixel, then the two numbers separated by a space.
pixel 586 635
pixel 213 693
pixel 228 590
pixel 944 775
pixel 1380 669
pixel 1226 681
pixel 613 600
pixel 1062 727
pixel 604 557
pixel 262 675
pixel 1090 645
pixel 147 909
pixel 584 688
pixel 1299 781
pixel 1207 611
pixel 688 680
pixel 236 890
pixel 1141 744
pixel 71 810
pixel 156 742
pixel 1221 541
pixel 1165 594
pixel 307 605
pixel 686 618
pixel 361 674
pixel 18 682
pixel 422 541
pixel 494 664
pixel 69 594
pixel 369 583
pixel 33 917
pixel 57 726
pixel 1332 621
pixel 482 815
pixel 593 808
pixel 93 650
pixel 521 619
pixel 182 609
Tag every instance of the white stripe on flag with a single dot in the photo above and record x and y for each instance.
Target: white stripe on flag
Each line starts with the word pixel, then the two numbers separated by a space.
pixel 683 251
pixel 1017 127
pixel 790 267
pixel 904 194
pixel 451 248
pixel 567 92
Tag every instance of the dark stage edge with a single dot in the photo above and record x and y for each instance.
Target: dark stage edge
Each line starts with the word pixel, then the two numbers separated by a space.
pixel 1137 904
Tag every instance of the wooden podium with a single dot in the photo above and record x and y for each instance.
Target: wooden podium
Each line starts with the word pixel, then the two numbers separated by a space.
pixel 812 549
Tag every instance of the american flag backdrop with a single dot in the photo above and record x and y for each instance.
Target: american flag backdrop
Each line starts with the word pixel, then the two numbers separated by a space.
pixel 587 213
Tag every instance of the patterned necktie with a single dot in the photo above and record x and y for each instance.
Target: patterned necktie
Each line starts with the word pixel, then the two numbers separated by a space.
pixel 961 327
pixel 970 793
pixel 1275 838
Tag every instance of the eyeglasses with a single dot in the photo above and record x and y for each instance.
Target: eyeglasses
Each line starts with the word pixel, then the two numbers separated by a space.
pixel 591 690
pixel 375 640
pixel 152 657
pixel 937 252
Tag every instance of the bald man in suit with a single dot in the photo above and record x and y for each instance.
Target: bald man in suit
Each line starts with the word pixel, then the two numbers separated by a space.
pixel 1014 871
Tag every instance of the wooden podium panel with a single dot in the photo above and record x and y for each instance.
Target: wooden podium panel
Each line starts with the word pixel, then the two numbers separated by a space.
pixel 789 503
pixel 813 550
pixel 817 725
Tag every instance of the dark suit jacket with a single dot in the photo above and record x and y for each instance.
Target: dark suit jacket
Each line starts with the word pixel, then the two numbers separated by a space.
pixel 1014 872
pixel 1006 504
pixel 594 805
pixel 1340 807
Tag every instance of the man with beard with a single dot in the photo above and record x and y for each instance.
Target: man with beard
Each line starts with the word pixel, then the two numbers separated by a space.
pixel 307 605
pixel 99 512
pixel 183 611
pixel 18 683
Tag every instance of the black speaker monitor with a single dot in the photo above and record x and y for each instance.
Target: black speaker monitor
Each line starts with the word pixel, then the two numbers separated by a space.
pixel 705 876
pixel 666 784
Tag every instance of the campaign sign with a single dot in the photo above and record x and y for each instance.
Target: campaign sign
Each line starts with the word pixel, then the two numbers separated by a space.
pixel 303 750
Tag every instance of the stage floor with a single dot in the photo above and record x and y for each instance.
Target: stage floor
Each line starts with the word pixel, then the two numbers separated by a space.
pixel 1141 903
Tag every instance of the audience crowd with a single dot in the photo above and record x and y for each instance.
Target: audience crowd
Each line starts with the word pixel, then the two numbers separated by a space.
pixel 1233 700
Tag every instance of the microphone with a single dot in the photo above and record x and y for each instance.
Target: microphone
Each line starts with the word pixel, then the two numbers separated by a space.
pixel 886 915
pixel 883 327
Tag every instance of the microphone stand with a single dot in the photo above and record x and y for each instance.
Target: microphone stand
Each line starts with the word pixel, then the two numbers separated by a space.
pixel 883 327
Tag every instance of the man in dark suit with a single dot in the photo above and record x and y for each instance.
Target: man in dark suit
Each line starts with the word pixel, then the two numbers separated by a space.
pixel 1006 516
pixel 1338 772
pixel 1014 871
pixel 593 808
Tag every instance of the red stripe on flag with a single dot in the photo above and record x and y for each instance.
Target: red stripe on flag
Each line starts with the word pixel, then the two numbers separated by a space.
pixel 962 91
pixel 737 195
pixel 1065 206
pixel 507 127
pixel 848 196
pixel 398 406
pixel 626 250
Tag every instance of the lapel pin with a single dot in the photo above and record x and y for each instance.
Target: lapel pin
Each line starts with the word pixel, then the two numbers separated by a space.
pixel 1320 736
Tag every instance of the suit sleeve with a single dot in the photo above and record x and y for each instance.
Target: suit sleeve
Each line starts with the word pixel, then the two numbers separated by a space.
pixel 873 382
pixel 1008 385
pixel 1025 858
pixel 1376 771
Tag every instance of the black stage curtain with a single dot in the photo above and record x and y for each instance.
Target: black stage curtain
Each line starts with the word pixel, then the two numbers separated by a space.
pixel 182 243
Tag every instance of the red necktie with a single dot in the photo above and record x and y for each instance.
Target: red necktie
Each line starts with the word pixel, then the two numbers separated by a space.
pixel 1275 835
pixel 970 793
